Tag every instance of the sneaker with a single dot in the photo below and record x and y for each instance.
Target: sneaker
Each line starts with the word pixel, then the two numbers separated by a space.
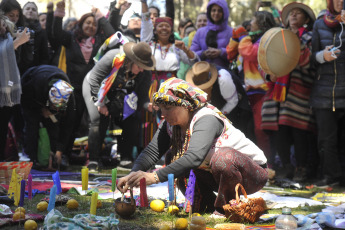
pixel 287 171
pixel 327 182
pixel 126 164
pixel 93 166
pixel 300 175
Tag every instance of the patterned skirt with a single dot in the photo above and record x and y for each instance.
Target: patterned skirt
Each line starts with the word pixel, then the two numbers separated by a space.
pixel 228 168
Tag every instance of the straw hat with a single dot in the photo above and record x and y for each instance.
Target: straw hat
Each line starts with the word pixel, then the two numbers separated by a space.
pixel 140 54
pixel 286 10
pixel 202 75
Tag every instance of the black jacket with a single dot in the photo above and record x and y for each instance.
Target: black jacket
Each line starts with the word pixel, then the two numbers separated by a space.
pixel 77 68
pixel 35 51
pixel 328 90
pixel 36 83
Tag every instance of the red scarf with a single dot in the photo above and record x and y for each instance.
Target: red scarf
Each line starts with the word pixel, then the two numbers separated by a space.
pixel 331 18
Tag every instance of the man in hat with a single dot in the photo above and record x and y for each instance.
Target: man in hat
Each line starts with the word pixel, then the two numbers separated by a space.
pixel 225 92
pixel 46 99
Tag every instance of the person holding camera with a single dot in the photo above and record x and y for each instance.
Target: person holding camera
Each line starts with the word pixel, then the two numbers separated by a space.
pixel 328 94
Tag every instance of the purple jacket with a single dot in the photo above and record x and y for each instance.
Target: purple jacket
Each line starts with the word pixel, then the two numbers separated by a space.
pixel 223 37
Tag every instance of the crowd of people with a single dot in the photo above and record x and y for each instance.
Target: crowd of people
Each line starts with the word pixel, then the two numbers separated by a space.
pixel 196 98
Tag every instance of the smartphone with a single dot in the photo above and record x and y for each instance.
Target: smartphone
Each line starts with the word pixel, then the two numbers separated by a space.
pixel 265 4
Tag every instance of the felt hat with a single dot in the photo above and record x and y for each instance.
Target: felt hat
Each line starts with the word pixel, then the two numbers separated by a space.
pixel 203 75
pixel 60 93
pixel 140 54
pixel 287 8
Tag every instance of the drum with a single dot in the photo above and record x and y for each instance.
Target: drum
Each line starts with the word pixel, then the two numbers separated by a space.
pixel 279 51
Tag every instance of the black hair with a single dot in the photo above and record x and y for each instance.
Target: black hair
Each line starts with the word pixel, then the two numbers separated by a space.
pixel 155 7
pixel 8 5
pixel 245 24
pixel 209 14
pixel 265 21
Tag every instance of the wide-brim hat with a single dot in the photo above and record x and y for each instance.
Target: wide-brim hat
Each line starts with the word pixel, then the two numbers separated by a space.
pixel 202 74
pixel 286 10
pixel 141 54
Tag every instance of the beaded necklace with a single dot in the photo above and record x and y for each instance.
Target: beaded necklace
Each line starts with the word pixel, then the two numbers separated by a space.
pixel 181 152
pixel 165 51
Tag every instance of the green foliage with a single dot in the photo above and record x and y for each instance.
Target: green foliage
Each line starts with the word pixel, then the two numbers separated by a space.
pixel 239 10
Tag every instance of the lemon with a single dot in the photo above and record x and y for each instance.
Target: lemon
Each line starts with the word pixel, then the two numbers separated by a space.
pixel 181 223
pixel 196 214
pixel 20 209
pixel 165 227
pixel 173 209
pixel 30 225
pixel 42 206
pixel 157 205
pixel 18 216
pixel 99 204
pixel 72 204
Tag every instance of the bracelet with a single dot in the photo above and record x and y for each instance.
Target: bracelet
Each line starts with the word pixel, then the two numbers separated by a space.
pixel 156 177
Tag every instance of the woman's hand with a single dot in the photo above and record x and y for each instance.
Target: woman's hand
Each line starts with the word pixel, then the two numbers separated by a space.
pixel 96 12
pixel 60 5
pixel 50 7
pixel 182 46
pixel 330 55
pixel 212 53
pixel 103 110
pixel 46 113
pixel 21 38
pixel 133 180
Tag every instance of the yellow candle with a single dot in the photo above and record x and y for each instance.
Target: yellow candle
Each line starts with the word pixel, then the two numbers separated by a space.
pixel 85 178
pixel 93 207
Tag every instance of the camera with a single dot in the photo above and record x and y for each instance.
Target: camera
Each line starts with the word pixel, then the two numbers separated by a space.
pixel 32 34
pixel 265 4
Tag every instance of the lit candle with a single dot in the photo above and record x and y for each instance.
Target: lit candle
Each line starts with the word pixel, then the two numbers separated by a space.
pixel 85 178
pixel 52 196
pixel 93 207
pixel 113 179
pixel 171 186
pixel 30 186
pixel 22 192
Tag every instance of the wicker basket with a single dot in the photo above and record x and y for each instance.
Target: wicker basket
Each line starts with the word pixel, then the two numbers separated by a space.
pixel 247 210
pixel 6 168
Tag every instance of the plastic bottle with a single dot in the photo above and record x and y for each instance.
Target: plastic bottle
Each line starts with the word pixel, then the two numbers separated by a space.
pixel 286 220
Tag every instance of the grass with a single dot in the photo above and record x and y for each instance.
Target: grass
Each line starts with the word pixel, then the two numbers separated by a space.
pixel 145 218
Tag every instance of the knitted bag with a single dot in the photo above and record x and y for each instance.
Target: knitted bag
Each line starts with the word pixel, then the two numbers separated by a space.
pixel 244 210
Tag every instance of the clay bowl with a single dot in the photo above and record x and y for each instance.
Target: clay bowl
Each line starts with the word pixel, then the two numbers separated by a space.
pixel 124 208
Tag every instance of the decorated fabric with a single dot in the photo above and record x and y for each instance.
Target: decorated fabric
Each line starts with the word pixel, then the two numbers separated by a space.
pixel 130 105
pixel 331 18
pixel 178 92
pixel 109 80
pixel 7 220
pixel 163 19
pixel 59 93
pixel 110 42
pixel 55 220
pixel 249 52
pixel 14 189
